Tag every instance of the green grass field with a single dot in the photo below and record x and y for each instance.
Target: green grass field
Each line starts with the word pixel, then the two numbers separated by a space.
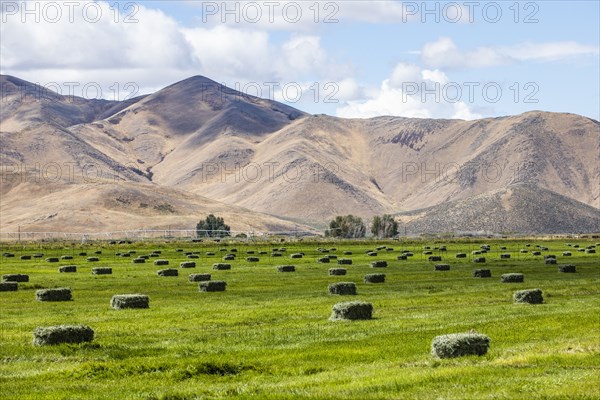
pixel 269 335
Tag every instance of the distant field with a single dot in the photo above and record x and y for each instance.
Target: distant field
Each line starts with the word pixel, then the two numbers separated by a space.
pixel 269 335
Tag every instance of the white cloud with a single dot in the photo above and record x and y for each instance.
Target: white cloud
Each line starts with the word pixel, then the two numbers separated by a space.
pixel 444 53
pixel 403 95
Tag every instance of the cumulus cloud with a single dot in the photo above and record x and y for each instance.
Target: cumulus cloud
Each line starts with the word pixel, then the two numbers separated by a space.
pixel 443 53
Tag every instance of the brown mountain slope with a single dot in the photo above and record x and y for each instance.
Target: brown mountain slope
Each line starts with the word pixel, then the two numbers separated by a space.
pixel 517 208
pixel 207 140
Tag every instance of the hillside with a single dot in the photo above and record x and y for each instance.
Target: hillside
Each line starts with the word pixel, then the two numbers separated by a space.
pixel 200 139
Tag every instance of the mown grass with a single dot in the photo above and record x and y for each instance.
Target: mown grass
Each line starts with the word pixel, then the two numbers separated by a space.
pixel 268 335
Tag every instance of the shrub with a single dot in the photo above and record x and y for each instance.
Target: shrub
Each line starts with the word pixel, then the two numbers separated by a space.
pixel 161 262
pixel 590 251
pixel 199 277
pixel 8 286
pixel 122 301
pixel 567 268
pixel 566 253
pixel 262 252
pixel 187 264
pixel 67 268
pixel 212 286
pixel 531 296
pixel 536 253
pixel 57 294
pixel 233 251
pixel 342 288
pixel 192 256
pixel 352 310
pixel 379 264
pixel 505 256
pixel 482 273
pixel 168 272
pixel 479 260
pixel 286 268
pixel 402 257
pixel 460 344
pixel 8 255
pixel 435 258
pixel 66 257
pixel 252 259
pixel 139 260
pixel 461 255
pixel 93 259
pixel 550 261
pixel 15 278
pixel 548 256
pixel 229 257
pixel 221 266
pixel 276 254
pixel 98 252
pixel 442 267
pixel 372 254
pixel 409 254
pixel 476 252
pixel 426 248
pixel 347 253
pixel 25 257
pixel 374 278
pixel 52 259
pixel 50 335
pixel 296 255
pixel 428 252
pixel 337 271
pixel 145 257
pixel 102 271
pixel 512 278
pixel 38 255
pixel 247 252
pixel 523 251
pixel 332 257
pixel 344 261
pixel 323 260
pixel 210 253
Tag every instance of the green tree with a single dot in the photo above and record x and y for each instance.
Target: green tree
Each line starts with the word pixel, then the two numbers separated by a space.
pixel 346 226
pixel 384 226
pixel 212 227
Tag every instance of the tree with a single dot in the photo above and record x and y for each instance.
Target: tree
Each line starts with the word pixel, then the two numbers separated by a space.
pixel 212 227
pixel 346 226
pixel 384 226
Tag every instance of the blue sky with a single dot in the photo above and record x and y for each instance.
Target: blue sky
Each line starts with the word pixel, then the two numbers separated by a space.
pixel 414 59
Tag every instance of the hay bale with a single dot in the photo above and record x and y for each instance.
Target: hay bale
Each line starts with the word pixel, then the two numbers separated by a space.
pixel 123 301
pixel 505 256
pixel 342 288
pixel 296 255
pixel 479 260
pixel 15 278
pixel 25 257
pixel 58 334
pixel 482 273
pixel 187 264
pixel 352 310
pixel 102 271
pixel 168 272
pixel 512 278
pixel 67 268
pixel 139 260
pixel 441 267
pixel 93 259
pixel 8 286
pixel 531 296
pixel 221 266
pixel 435 258
pixel 567 268
pixel 56 294
pixel 461 255
pixel 212 286
pixel 286 268
pixel 324 260
pixel 379 264
pixel 52 259
pixel 199 277
pixel 460 344
pixel 374 278
pixel 337 271
pixel 161 262
pixel 252 259
pixel 344 261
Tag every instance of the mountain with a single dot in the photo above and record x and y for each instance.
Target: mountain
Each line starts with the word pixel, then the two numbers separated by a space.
pixel 215 147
